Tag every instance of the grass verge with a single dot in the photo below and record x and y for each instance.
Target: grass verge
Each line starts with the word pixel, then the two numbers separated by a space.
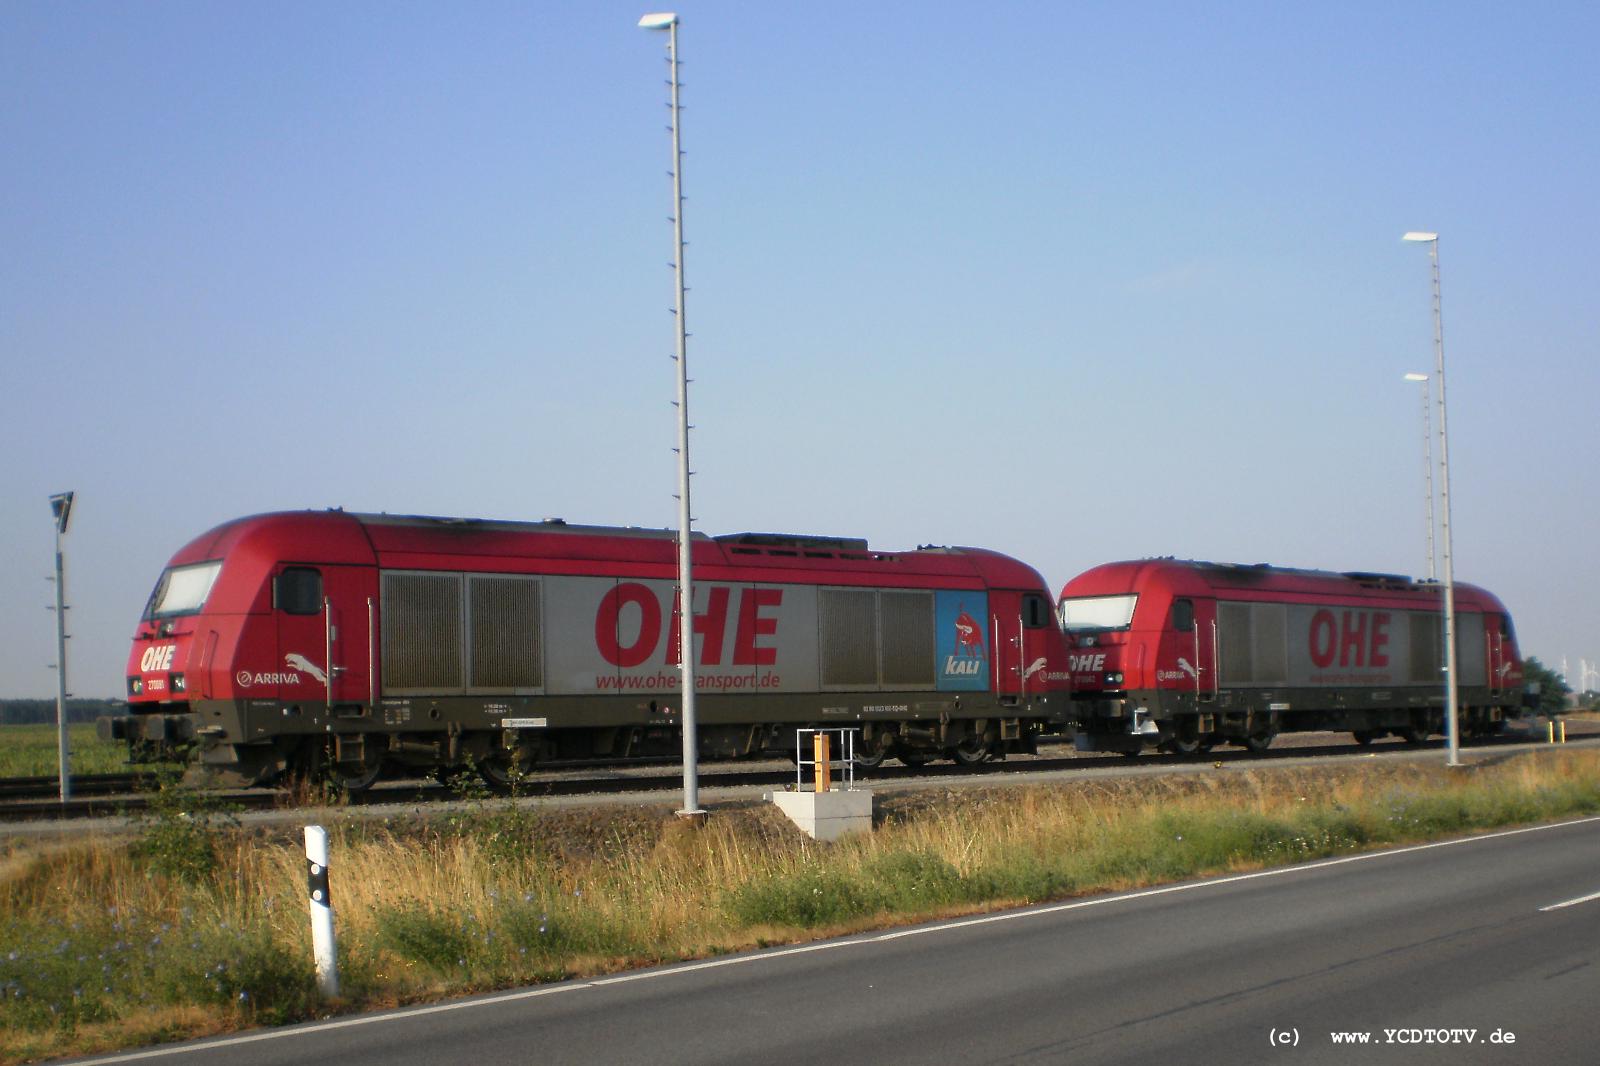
pixel 30 751
pixel 194 925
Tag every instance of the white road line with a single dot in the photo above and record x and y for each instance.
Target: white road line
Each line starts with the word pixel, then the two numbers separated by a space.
pixel 1591 897
pixel 829 945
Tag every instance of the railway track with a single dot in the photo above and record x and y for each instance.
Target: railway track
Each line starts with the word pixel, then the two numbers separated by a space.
pixel 27 788
pixel 107 795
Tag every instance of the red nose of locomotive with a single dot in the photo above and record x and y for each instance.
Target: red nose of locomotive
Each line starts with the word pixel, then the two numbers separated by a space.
pixel 158 664
pixel 1097 661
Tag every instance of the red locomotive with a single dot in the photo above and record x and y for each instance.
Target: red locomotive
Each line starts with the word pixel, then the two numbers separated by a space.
pixel 286 642
pixel 1187 654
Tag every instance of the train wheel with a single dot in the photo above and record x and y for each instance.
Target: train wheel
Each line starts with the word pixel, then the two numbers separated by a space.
pixel 357 780
pixel 970 752
pixel 1420 728
pixel 1364 736
pixel 447 775
pixel 869 758
pixel 502 774
pixel 1179 744
pixel 1259 742
pixel 316 767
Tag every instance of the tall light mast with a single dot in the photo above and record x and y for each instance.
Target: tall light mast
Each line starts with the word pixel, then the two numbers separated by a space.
pixel 1451 687
pixel 691 786
pixel 61 509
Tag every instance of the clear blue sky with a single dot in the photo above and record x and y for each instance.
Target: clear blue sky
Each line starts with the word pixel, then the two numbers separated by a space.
pixel 1076 282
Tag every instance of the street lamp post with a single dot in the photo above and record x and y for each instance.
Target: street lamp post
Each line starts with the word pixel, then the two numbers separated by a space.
pixel 691 786
pixel 61 509
pixel 1450 686
pixel 1427 465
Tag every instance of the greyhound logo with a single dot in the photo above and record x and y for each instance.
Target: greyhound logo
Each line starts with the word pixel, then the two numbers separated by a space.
pixel 969 638
pixel 295 661
pixel 1186 667
pixel 1033 668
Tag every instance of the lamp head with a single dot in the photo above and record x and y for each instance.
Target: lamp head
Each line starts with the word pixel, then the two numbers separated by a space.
pixel 660 21
pixel 61 507
pixel 1416 377
pixel 1420 235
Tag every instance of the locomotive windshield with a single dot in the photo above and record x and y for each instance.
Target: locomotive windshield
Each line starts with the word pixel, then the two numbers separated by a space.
pixel 1098 612
pixel 182 590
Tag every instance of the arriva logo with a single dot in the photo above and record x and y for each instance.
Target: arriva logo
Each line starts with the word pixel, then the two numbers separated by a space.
pixel 244 678
pixel 157 657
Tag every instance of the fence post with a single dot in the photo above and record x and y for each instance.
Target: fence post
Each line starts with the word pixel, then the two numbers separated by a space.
pixel 323 947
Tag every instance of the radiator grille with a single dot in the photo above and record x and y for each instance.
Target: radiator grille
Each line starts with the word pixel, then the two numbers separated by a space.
pixel 905 622
pixel 1234 638
pixel 1470 649
pixel 849 638
pixel 421 632
pixel 506 645
pixel 1269 643
pixel 1254 639
pixel 1427 645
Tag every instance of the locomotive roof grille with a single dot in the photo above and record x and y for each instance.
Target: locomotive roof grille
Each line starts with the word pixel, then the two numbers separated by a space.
pixel 789 540
pixel 1383 581
pixel 771 544
pixel 1260 571
pixel 497 525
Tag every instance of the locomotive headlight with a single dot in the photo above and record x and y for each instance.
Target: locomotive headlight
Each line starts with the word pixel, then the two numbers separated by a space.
pixel 135 686
pixel 178 683
pixel 1113 679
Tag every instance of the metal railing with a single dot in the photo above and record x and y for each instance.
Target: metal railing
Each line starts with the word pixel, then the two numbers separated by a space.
pixel 822 762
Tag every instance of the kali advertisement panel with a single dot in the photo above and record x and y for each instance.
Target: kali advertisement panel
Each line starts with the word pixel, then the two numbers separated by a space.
pixel 961 621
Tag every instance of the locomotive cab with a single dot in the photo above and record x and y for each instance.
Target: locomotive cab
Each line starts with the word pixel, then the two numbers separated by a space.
pixel 237 639
pixel 159 662
pixel 163 665
pixel 1137 659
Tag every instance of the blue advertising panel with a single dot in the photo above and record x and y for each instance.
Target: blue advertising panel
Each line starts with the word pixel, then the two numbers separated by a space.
pixel 961 628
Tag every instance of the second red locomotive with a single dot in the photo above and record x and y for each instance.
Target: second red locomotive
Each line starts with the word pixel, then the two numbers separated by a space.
pixel 1185 655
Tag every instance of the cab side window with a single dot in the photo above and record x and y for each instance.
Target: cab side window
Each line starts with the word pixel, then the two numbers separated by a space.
pixel 1183 615
pixel 1036 612
pixel 298 590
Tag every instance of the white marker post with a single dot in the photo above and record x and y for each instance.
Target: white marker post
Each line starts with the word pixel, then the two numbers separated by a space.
pixel 322 942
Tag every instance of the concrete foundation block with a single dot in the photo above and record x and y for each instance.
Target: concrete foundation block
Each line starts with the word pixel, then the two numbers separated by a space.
pixel 827 815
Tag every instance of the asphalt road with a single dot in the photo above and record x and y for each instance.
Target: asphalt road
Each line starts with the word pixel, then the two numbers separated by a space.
pixel 1406 945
